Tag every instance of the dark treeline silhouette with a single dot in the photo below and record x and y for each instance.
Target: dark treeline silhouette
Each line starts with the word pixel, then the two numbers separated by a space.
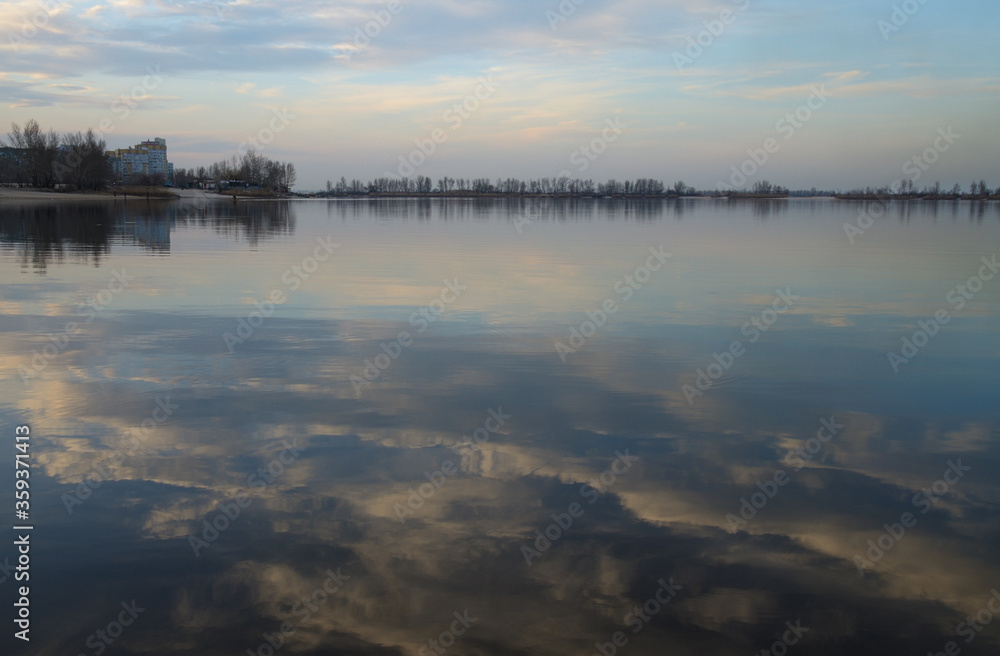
pixel 644 187
pixel 640 188
pixel 249 170
pixel 30 157
pixel 907 189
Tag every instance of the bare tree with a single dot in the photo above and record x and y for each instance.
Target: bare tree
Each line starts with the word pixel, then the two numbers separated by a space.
pixel 274 174
pixel 253 167
pixel 82 162
pixel 39 152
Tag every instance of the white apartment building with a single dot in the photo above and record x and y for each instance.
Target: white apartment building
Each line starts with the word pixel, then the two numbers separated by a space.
pixel 146 158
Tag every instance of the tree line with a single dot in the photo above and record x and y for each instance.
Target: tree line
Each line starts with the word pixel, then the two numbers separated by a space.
pixel 31 157
pixel 249 169
pixel 508 186
pixel 642 187
pixel 976 190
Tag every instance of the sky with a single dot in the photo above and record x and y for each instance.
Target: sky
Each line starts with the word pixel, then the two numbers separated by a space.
pixel 803 94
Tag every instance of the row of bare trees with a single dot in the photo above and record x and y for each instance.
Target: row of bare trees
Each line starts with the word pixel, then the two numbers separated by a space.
pixel 32 157
pixel 646 187
pixel 980 189
pixel 251 169
pixel 766 188
pixel 907 188
pixel 563 185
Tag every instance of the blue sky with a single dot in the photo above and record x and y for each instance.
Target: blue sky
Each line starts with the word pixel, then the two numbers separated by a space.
pixel 226 70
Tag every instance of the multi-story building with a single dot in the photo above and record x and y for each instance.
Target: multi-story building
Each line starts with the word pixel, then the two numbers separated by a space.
pixel 148 158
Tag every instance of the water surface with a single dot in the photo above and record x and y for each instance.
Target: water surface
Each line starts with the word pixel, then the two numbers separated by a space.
pixel 403 429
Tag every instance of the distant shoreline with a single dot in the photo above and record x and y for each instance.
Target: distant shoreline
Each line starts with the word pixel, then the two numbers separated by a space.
pixel 166 194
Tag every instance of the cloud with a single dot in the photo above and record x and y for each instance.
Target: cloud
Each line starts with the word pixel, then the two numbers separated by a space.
pixel 604 58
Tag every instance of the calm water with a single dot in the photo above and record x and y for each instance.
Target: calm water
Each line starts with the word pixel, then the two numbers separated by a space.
pixel 403 430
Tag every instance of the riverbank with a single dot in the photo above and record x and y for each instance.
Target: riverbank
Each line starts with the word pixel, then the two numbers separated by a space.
pixel 49 196
pixel 23 195
pixel 27 195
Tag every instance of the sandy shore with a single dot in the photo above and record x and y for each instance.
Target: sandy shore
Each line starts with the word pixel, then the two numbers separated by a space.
pixel 13 194
pixel 20 195
pixel 27 195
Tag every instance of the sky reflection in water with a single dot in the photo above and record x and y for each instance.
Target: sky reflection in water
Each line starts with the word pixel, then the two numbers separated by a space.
pixel 351 462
